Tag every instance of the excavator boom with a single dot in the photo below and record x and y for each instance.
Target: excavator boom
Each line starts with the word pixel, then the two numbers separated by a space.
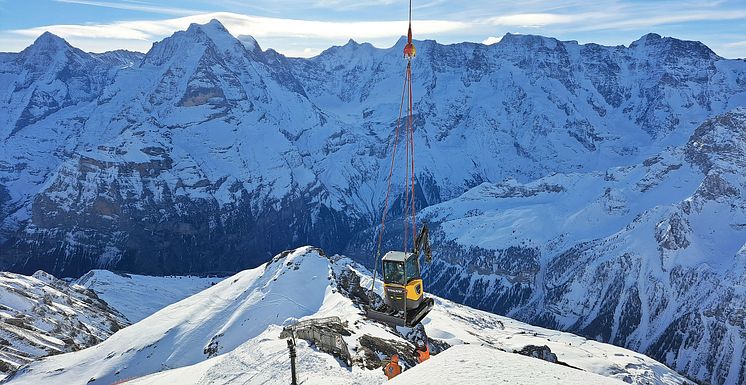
pixel 422 244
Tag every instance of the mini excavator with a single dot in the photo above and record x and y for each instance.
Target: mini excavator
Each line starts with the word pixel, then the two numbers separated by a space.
pixel 404 299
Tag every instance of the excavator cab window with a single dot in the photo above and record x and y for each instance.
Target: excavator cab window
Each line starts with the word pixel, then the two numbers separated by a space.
pixel 413 268
pixel 393 272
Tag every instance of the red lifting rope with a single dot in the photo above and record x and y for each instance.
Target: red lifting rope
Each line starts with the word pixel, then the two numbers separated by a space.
pixel 409 212
pixel 409 50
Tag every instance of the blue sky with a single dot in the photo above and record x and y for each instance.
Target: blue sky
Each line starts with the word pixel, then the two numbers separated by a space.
pixel 306 27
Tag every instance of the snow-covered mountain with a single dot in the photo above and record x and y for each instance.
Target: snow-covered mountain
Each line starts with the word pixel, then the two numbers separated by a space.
pixel 166 165
pixel 581 187
pixel 230 333
pixel 41 316
pixel 648 256
pixel 170 166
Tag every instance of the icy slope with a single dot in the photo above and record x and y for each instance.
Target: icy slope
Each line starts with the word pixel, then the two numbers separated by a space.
pixel 138 296
pixel 41 315
pixel 229 334
pixel 481 365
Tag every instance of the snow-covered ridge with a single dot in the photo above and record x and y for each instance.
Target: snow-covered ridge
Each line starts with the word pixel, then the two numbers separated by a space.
pixel 41 316
pixel 229 334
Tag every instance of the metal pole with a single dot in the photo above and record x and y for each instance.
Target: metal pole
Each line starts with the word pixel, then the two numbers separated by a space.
pixel 291 347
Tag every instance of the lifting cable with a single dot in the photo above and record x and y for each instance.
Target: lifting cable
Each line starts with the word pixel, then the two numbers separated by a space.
pixel 408 196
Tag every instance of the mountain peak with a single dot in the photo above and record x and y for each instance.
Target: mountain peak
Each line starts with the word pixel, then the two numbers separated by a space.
pixel 47 37
pixel 652 36
pixel 212 33
pixel 250 43
pixel 512 39
pixel 647 39
pixel 47 50
pixel 348 49
pixel 213 25
pixel 49 41
pixel 654 42
pixel 214 30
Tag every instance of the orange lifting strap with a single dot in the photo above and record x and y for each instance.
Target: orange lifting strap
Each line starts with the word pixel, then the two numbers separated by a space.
pixel 409 50
pixel 409 213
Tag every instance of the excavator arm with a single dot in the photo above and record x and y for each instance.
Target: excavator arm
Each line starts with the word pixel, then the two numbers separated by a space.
pixel 422 243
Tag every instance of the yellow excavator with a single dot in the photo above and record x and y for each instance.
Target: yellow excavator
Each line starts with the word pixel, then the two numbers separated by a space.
pixel 404 299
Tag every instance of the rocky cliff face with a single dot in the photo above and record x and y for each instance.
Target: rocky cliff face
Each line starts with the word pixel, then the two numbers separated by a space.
pixel 648 256
pixel 42 316
pixel 208 154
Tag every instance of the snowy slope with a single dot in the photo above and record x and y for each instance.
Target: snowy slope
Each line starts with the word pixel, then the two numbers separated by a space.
pixel 41 316
pixel 481 365
pixel 229 333
pixel 220 317
pixel 139 296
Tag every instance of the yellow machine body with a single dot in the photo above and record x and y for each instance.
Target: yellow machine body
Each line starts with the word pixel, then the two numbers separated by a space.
pixel 402 285
pixel 413 289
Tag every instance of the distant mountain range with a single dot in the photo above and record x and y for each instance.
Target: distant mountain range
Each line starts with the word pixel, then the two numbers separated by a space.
pixel 583 187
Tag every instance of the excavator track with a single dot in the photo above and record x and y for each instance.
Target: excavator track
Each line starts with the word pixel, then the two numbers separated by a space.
pixel 392 317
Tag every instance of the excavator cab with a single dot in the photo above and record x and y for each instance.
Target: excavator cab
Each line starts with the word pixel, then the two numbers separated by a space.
pixel 404 299
pixel 402 284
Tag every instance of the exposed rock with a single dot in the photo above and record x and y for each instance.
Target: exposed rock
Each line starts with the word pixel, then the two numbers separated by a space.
pixel 540 352
pixel 671 234
pixel 42 315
